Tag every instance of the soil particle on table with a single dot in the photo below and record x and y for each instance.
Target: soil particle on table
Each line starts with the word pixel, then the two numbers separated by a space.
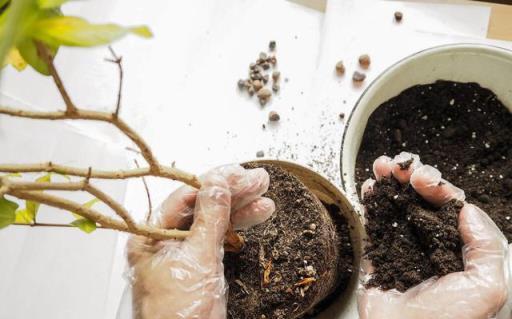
pixel 293 260
pixel 409 240
pixel 461 128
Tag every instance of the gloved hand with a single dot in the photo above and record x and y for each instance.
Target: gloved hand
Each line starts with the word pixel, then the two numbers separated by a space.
pixel 185 279
pixel 478 292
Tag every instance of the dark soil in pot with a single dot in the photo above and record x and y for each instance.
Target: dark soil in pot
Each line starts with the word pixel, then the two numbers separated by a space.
pixel 409 240
pixel 291 263
pixel 461 128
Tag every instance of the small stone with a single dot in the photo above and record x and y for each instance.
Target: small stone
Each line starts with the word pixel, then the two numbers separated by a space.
pixel 260 154
pixel 276 75
pixel 265 66
pixel 484 199
pixel 275 87
pixel 263 126
pixel 263 102
pixel 265 78
pixel 241 84
pixel 341 115
pixel 257 85
pixel 395 224
pixel 398 16
pixel 264 93
pixel 358 76
pixel 251 91
pixel 252 66
pixel 263 56
pixel 272 45
pixel 364 61
pixel 273 116
pixel 340 68
pixel 273 60
pixel 312 226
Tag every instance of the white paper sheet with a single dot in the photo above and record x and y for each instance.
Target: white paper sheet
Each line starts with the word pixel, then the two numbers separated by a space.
pixel 180 94
pixel 57 273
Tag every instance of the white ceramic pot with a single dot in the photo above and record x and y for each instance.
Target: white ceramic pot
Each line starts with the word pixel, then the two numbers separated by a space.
pixel 344 306
pixel 489 66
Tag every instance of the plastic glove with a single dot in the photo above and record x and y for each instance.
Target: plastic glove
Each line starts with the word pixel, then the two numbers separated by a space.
pixel 478 292
pixel 185 279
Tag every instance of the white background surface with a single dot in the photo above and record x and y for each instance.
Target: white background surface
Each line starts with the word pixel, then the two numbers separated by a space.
pixel 180 94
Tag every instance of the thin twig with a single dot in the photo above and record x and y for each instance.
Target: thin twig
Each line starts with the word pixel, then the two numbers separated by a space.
pixel 71 186
pixel 117 60
pixel 104 221
pixel 91 116
pixel 47 225
pixel 162 172
pixel 45 54
pixel 150 205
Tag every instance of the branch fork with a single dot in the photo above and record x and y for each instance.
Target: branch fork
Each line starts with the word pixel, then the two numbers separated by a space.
pixel 34 191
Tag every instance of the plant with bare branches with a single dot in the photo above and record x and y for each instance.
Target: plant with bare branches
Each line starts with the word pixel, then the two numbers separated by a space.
pixel 41 30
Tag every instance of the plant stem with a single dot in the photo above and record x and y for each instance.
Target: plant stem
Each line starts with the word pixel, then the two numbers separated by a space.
pixel 163 172
pixel 45 54
pixel 104 221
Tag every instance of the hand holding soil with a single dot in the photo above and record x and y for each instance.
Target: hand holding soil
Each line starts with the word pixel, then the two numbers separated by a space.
pixel 186 278
pixel 427 226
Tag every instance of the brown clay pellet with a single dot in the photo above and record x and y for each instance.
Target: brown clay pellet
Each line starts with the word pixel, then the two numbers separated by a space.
pixel 358 76
pixel 273 116
pixel 398 16
pixel 364 60
pixel 340 68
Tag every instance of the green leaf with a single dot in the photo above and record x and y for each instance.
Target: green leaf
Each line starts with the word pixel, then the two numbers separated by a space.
pixel 13 175
pixel 86 225
pixel 45 178
pixel 33 207
pixel 15 22
pixel 3 3
pixel 15 59
pixel 75 31
pixel 7 212
pixel 28 51
pixel 88 204
pixel 24 216
pixel 48 4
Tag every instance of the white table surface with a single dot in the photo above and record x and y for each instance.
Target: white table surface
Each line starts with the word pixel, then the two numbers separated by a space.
pixel 180 94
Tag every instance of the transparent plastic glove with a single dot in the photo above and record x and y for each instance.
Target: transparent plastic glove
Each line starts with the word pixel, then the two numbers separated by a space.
pixel 185 279
pixel 478 292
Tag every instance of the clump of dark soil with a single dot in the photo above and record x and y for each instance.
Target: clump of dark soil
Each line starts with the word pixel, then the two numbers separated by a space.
pixel 462 128
pixel 409 240
pixel 299 257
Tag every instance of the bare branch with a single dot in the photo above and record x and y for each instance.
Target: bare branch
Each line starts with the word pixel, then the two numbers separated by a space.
pixel 47 225
pixel 104 221
pixel 114 205
pixel 150 205
pixel 162 172
pixel 45 54
pixel 117 60
pixel 71 186
pixel 90 116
